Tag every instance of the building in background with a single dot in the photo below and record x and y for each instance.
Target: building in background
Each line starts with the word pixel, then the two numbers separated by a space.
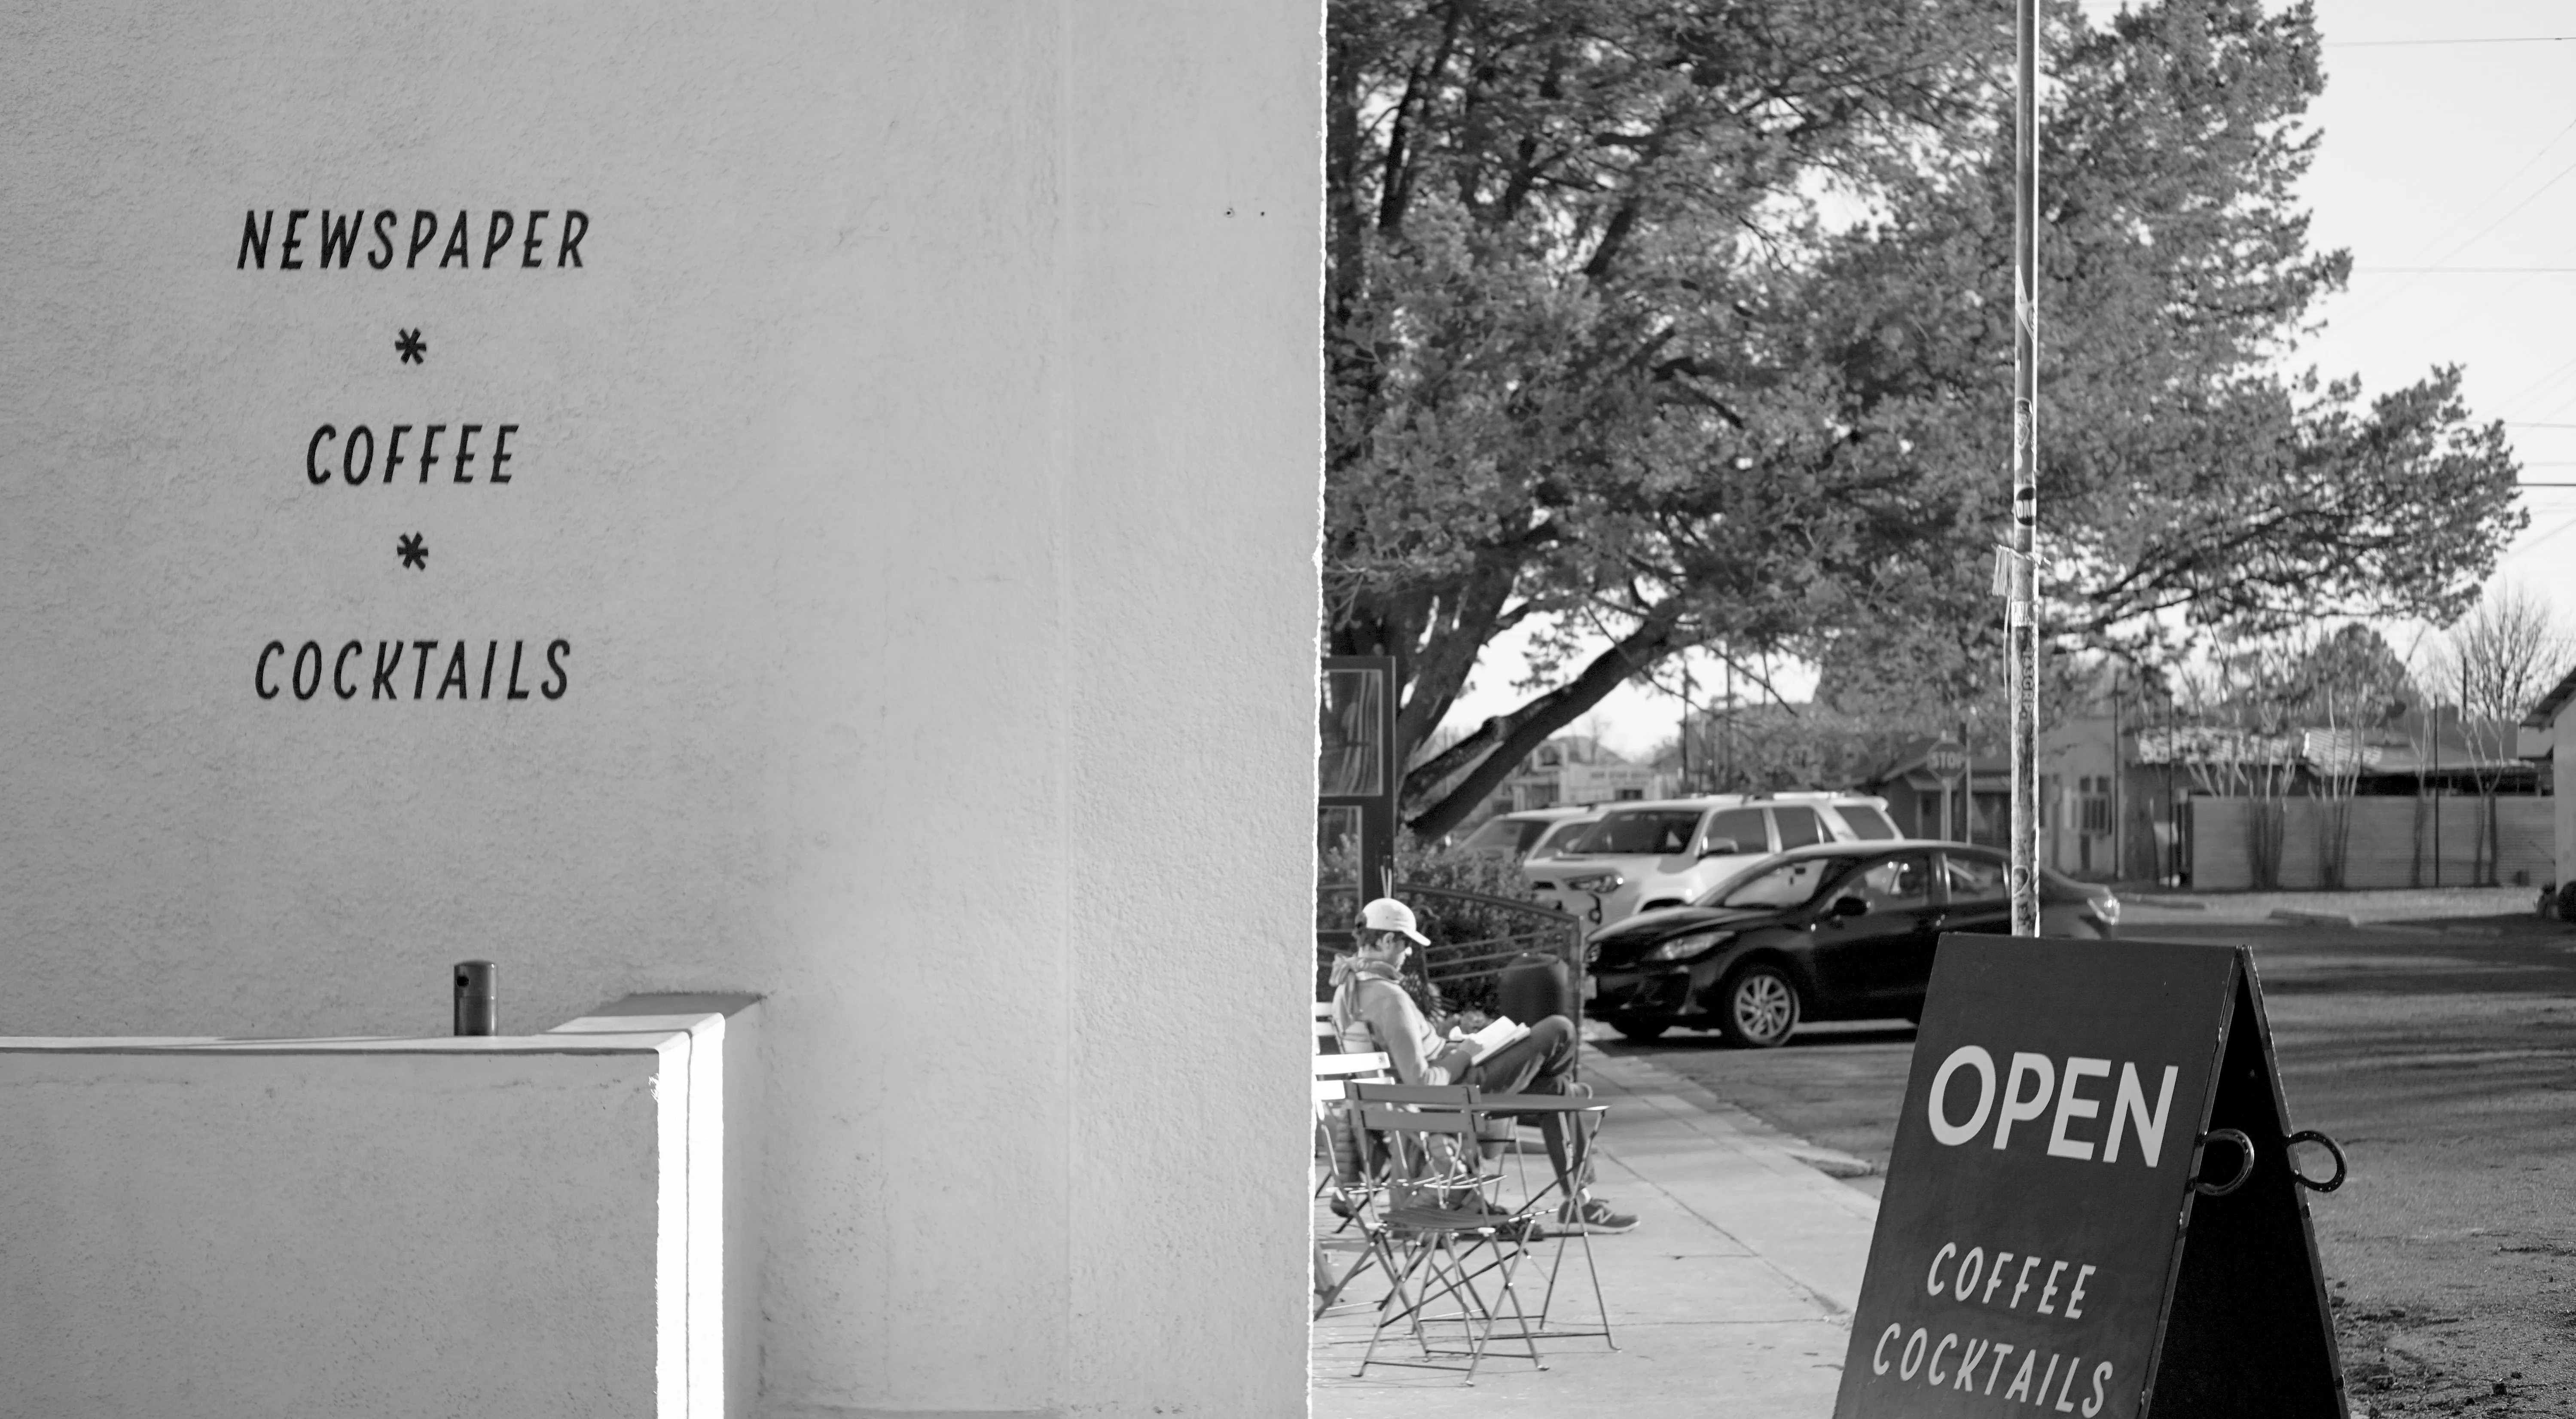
pixel 1573 771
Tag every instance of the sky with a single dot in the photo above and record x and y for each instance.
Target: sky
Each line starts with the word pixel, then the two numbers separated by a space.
pixel 2448 169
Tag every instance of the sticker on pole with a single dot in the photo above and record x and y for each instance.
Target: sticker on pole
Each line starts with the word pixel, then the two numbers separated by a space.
pixel 2092 1207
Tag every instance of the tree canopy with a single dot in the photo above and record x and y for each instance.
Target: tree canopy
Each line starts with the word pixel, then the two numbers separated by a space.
pixel 1688 323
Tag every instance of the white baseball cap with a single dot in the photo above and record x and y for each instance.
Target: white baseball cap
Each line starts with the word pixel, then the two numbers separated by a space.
pixel 1388 914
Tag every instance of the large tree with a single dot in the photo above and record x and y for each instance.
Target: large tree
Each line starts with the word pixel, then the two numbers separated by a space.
pixel 1688 323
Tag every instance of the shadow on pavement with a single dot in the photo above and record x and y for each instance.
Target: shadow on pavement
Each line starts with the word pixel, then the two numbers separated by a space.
pixel 1818 1036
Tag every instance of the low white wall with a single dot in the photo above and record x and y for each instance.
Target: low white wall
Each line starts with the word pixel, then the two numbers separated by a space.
pixel 2562 779
pixel 2389 842
pixel 515 1225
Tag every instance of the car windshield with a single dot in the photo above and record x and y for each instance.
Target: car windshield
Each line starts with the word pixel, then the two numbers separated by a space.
pixel 1557 837
pixel 1866 823
pixel 1791 882
pixel 1656 831
pixel 1498 834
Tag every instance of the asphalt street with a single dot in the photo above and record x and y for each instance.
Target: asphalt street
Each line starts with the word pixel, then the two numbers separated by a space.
pixel 2440 1052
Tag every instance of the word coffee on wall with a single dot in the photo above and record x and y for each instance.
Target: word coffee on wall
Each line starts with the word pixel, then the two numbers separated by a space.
pixel 468 451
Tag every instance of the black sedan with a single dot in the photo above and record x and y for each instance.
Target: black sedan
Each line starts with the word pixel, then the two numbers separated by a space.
pixel 1830 931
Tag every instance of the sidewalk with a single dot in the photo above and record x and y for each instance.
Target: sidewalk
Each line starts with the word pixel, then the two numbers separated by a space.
pixel 1735 1289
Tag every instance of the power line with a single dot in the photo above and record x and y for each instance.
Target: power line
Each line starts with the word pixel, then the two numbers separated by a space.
pixel 2487 39
pixel 2545 381
pixel 2479 206
pixel 2467 270
pixel 2464 312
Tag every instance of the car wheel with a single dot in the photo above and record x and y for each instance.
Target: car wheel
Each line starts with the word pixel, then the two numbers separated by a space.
pixel 1641 1031
pixel 1758 1007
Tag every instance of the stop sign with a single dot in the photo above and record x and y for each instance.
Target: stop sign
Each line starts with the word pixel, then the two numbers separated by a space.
pixel 1947 759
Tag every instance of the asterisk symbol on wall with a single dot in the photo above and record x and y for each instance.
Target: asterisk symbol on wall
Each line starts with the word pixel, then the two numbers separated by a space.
pixel 413 551
pixel 412 347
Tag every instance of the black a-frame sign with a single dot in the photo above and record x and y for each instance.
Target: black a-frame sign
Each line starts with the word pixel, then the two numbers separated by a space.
pixel 2092 1207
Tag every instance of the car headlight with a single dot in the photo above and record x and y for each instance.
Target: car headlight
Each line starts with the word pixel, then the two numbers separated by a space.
pixel 1597 882
pixel 1690 946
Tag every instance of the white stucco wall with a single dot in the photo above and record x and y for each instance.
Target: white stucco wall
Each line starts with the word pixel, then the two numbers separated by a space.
pixel 921 467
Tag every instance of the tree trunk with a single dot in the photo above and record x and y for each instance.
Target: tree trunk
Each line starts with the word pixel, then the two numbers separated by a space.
pixel 1499 744
pixel 2264 825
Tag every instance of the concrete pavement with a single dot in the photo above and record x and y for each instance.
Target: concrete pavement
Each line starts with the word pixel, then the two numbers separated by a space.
pixel 1735 1289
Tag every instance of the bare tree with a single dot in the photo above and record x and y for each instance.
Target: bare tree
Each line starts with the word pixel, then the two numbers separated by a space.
pixel 2349 682
pixel 2241 739
pixel 2500 658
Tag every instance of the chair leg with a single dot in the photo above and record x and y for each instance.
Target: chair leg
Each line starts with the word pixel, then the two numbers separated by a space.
pixel 1435 1271
pixel 1486 1322
pixel 1396 1298
pixel 1547 1301
pixel 1506 1291
pixel 1329 1288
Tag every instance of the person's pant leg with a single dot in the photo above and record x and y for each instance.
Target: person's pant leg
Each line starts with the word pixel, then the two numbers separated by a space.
pixel 1540 1062
pixel 1536 1063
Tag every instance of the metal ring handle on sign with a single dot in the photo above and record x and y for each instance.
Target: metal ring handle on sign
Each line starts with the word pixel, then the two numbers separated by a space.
pixel 2310 1135
pixel 2244 1168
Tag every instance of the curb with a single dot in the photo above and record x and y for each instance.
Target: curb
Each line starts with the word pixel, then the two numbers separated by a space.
pixel 2307 918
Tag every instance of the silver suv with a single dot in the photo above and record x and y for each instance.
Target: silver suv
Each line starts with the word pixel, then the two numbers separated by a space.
pixel 1644 856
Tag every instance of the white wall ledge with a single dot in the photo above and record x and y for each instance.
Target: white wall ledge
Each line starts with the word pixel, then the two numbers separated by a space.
pixel 506 1224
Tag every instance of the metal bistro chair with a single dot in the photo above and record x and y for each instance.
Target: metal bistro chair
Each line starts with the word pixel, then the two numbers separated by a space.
pixel 1332 1066
pixel 1535 1217
pixel 1343 1172
pixel 1437 1215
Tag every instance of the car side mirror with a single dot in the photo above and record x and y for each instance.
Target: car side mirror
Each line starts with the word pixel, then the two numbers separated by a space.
pixel 1850 907
pixel 1720 847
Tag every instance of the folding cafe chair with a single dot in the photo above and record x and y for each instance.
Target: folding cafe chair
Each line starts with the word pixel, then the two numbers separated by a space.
pixel 1535 1216
pixel 1343 1171
pixel 1331 1068
pixel 1437 1218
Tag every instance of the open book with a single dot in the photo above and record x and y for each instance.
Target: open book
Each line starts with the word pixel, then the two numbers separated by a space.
pixel 1503 1031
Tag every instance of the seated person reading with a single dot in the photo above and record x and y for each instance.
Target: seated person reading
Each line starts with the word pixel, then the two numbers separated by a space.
pixel 1372 1012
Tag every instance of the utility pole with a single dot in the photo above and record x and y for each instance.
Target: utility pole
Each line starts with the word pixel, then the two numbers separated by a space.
pixel 2119 786
pixel 2021 611
pixel 1726 723
pixel 1685 736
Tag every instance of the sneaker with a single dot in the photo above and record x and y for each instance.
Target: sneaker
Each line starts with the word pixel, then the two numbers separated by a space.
pixel 1474 1204
pixel 1593 1215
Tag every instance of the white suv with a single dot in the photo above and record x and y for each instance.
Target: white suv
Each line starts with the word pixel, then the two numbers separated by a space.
pixel 1517 835
pixel 1642 856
